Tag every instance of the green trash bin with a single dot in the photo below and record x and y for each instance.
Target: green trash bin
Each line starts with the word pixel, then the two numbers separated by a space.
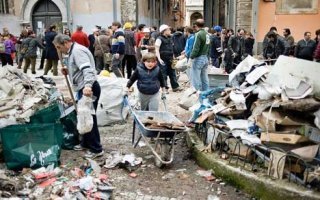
pixel 31 145
pixel 69 123
pixel 50 114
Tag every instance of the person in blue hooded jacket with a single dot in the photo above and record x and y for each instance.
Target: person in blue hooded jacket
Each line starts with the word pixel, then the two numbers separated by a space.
pixel 188 31
pixel 150 80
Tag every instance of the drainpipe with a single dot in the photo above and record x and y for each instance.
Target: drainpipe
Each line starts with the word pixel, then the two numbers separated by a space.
pixel 137 12
pixel 115 13
pixel 254 27
pixel 68 15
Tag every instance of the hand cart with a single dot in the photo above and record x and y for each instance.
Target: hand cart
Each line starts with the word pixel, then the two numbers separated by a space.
pixel 164 139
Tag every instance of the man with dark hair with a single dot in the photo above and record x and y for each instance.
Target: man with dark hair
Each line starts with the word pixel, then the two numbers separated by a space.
pixel 138 36
pixel 274 47
pixel 179 42
pixel 117 48
pixel 190 41
pixel 305 47
pixel 154 32
pixel 265 40
pixel 289 41
pixel 199 54
pixel 81 69
pixel 236 46
pixel 51 52
pixel 80 37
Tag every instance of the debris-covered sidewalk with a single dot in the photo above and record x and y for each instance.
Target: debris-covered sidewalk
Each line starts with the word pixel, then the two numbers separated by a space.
pixel 267 117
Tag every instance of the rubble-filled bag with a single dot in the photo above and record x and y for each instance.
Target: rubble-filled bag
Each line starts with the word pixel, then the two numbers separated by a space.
pixel 84 117
pixel 70 132
pixel 31 145
pixel 110 106
pixel 50 114
pixel 188 99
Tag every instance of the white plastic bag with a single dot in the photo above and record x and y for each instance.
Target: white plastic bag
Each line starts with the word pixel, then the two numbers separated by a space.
pixel 84 115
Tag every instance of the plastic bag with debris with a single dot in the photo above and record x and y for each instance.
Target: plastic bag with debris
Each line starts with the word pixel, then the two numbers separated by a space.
pixel 84 117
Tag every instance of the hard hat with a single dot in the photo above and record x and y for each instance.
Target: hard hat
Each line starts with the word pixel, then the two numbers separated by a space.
pixel 163 27
pixel 217 28
pixel 105 73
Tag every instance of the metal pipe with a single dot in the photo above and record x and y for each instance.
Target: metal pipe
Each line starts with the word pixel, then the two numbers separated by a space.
pixel 115 13
pixel 68 15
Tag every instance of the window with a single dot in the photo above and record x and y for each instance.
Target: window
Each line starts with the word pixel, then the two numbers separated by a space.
pixel 296 6
pixel 4 7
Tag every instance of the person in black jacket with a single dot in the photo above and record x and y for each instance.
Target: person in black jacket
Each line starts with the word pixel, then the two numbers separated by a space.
pixel 274 47
pixel 215 46
pixel 248 45
pixel 305 47
pixel 150 79
pixel 51 52
pixel 179 42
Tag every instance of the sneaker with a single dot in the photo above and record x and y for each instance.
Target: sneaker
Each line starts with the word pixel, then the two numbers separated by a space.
pixel 92 155
pixel 178 89
pixel 79 148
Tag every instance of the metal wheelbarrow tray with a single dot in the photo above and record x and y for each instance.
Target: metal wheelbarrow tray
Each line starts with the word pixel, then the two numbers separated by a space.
pixel 164 138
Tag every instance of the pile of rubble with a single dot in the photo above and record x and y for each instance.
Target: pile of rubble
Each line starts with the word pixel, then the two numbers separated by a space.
pixel 269 113
pixel 86 182
pixel 20 96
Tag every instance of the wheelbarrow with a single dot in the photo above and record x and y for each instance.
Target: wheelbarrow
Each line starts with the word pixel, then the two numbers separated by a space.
pixel 164 139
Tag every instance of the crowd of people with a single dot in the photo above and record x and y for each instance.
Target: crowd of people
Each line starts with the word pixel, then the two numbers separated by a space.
pixel 144 54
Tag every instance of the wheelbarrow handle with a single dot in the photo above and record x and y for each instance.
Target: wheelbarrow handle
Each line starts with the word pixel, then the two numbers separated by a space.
pixel 127 103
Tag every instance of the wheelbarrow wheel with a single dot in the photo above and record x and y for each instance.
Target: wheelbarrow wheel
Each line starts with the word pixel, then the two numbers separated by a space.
pixel 163 150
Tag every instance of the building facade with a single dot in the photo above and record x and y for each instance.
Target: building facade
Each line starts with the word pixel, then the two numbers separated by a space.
pixel 257 16
pixel 157 12
pixel 40 14
pixel 194 11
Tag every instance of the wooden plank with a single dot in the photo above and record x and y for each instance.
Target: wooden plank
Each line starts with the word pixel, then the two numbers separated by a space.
pixel 276 164
pixel 277 137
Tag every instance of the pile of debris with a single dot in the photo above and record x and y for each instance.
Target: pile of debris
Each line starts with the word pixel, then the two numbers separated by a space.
pixel 269 113
pixel 154 123
pixel 86 182
pixel 20 96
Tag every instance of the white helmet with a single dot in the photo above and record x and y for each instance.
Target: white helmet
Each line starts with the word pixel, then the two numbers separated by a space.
pixel 163 27
pixel 146 30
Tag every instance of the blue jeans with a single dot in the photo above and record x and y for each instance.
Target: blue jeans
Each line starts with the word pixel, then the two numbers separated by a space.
pixel 92 140
pixel 199 73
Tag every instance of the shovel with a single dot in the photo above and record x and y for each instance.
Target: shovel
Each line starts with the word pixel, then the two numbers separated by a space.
pixel 68 82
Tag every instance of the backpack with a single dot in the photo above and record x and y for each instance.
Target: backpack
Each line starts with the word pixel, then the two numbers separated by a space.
pixel 2 47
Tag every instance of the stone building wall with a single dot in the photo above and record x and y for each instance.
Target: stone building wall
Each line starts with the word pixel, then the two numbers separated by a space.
pixel 128 11
pixel 244 14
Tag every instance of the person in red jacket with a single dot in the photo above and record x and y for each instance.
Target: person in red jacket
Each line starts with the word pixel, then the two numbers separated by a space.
pixel 80 37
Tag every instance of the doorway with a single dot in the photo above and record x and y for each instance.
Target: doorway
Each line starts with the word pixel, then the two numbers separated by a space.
pixel 194 17
pixel 45 13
